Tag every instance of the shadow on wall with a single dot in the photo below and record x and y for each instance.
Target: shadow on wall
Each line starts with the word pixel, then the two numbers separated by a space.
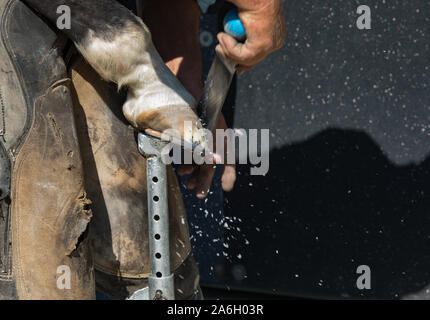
pixel 341 198
pixel 327 206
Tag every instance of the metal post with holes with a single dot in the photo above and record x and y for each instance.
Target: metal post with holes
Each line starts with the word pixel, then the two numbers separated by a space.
pixel 161 282
pixel 151 145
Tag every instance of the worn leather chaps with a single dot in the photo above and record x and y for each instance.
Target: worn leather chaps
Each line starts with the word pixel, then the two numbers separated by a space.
pixel 73 210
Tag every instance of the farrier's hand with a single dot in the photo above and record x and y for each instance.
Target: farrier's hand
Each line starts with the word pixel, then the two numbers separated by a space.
pixel 202 176
pixel 266 30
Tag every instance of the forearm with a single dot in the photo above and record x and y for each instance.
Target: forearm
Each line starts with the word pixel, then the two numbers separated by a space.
pixel 175 37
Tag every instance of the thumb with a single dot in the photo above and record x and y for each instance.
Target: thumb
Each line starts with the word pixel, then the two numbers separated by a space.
pixel 230 47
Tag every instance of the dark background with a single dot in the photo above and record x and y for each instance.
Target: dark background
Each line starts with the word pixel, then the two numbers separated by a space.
pixel 349 179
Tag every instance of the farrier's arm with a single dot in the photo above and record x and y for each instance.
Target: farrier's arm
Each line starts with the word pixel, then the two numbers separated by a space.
pixel 265 26
pixel 119 46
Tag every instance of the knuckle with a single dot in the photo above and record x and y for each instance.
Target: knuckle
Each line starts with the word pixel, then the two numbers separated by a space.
pixel 280 43
pixel 267 45
pixel 248 57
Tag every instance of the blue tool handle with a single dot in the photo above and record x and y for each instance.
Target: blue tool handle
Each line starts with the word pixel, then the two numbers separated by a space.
pixel 233 26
